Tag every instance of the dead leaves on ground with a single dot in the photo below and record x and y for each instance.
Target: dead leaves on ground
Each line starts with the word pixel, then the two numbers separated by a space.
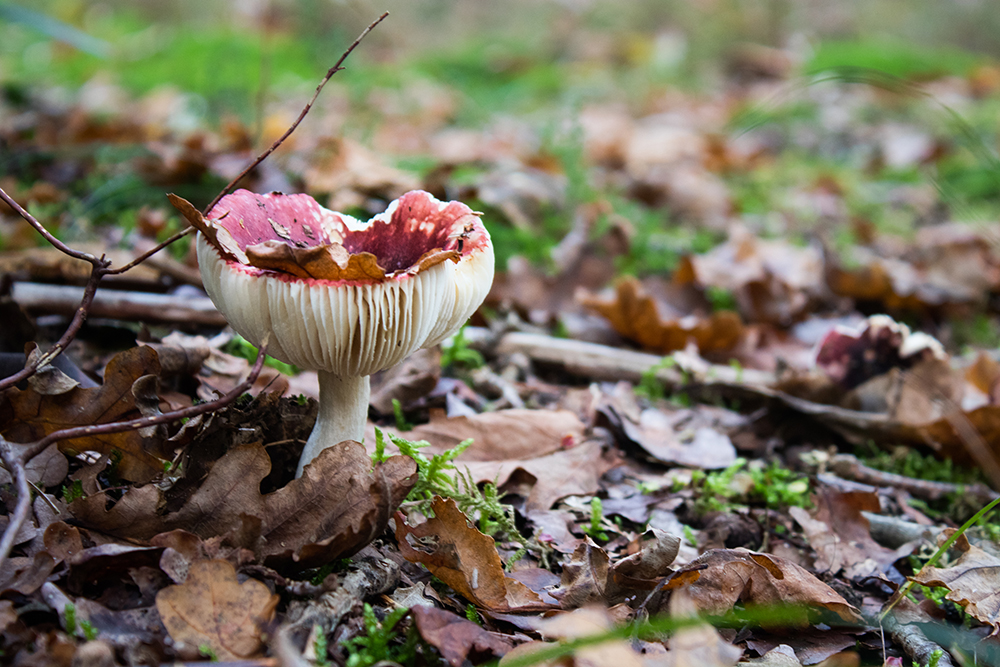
pixel 462 557
pixel 212 609
pixel 541 454
pixel 52 402
pixel 340 504
pixel 635 315
pixel 971 582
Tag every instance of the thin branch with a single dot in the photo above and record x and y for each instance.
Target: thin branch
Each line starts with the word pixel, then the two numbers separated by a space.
pixel 149 253
pixel 260 158
pixel 46 234
pixel 39 446
pixel 15 464
pixel 100 267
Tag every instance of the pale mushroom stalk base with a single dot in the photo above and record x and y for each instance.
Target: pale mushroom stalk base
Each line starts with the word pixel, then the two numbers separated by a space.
pixel 343 414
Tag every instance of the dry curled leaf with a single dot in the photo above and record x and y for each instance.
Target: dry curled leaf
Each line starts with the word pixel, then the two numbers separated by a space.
pixel 635 315
pixel 293 234
pixel 973 581
pixel 839 533
pixel 26 415
pixel 213 609
pixel 464 558
pixel 339 505
pixel 457 638
pixel 772 281
pixel 720 578
pixel 579 624
pixel 540 452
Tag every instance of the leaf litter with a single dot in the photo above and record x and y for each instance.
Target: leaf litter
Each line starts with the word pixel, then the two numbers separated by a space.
pixel 624 502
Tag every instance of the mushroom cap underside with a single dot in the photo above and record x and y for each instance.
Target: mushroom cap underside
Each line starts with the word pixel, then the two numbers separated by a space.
pixel 347 328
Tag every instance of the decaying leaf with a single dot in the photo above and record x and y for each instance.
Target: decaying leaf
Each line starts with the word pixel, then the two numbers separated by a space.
pixel 590 577
pixel 541 452
pixel 947 265
pixel 586 622
pixel 693 438
pixel 213 609
pixel 340 504
pixel 635 315
pixel 457 638
pixel 464 558
pixel 772 281
pixel 697 645
pixel 720 578
pixel 26 415
pixel 838 531
pixel 973 582
pixel 349 172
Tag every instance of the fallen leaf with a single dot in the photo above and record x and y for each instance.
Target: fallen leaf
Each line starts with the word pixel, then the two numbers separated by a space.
pixel 540 452
pixel 720 578
pixel 948 264
pixel 590 577
pixel 689 438
pixel 459 555
pixel 697 645
pixel 502 435
pixel 351 173
pixel 212 608
pixel 339 505
pixel 546 479
pixel 457 639
pixel 588 622
pixel 839 533
pixel 972 582
pixel 772 281
pixel 26 415
pixel 635 315
pixel 780 656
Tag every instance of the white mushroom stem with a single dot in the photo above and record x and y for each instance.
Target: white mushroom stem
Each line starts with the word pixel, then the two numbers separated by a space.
pixel 343 413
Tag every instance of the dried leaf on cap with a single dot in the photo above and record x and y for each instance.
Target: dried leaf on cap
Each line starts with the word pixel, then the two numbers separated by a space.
pixel 294 235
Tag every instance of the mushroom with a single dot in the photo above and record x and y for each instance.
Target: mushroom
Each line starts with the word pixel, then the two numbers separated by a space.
pixel 343 297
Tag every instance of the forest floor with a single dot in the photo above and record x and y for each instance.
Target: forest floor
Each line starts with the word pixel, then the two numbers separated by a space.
pixel 732 395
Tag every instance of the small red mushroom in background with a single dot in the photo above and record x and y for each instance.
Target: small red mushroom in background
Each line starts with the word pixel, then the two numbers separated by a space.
pixel 343 297
pixel 851 356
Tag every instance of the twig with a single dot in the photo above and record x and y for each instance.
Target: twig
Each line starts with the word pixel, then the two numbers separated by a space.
pixel 280 140
pixel 37 298
pixel 36 448
pixel 100 265
pixel 15 461
pixel 847 465
pixel 152 251
pixel 915 643
pixel 15 464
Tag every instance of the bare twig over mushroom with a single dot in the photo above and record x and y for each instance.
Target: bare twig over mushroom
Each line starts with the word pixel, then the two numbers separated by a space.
pixel 280 140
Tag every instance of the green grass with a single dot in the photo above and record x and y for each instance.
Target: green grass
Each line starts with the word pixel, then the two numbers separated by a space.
pixel 893 56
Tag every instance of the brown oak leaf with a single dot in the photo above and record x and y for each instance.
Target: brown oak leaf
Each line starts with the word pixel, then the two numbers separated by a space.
pixel 464 558
pixel 27 415
pixel 213 609
pixel 338 506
